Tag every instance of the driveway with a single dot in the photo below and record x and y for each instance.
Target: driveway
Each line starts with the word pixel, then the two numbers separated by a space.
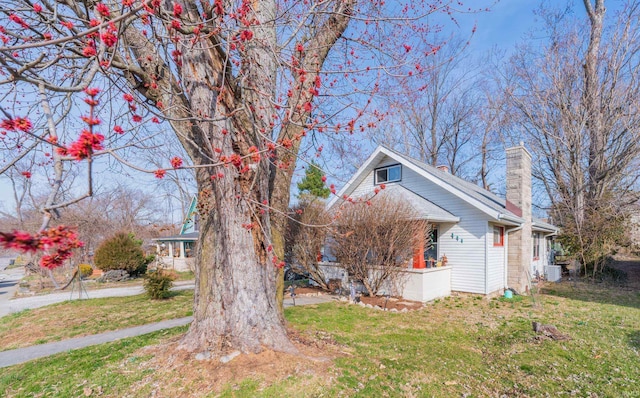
pixel 9 280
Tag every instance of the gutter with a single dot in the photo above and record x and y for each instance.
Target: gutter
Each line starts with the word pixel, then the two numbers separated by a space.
pixel 513 219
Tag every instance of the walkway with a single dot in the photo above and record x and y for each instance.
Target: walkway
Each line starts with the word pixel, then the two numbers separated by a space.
pixel 20 355
pixel 19 304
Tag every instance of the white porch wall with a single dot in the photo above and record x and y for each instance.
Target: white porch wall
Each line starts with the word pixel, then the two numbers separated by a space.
pixel 413 284
pixel 180 264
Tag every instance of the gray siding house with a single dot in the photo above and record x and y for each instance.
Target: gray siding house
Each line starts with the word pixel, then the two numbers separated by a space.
pixel 490 243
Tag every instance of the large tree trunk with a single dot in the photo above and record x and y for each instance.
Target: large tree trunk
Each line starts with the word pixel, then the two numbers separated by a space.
pixel 235 306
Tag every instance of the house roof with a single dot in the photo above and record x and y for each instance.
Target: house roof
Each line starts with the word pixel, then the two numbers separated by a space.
pixel 428 209
pixel 188 237
pixel 486 201
pixel 543 226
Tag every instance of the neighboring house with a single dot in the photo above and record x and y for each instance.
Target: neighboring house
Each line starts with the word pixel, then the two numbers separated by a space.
pixel 177 251
pixel 490 243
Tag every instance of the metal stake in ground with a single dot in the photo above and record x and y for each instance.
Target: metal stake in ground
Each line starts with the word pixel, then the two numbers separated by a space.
pixel 292 291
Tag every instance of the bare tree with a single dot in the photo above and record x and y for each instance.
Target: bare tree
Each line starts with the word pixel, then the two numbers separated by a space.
pixel 306 236
pixel 239 84
pixel 374 240
pixel 575 100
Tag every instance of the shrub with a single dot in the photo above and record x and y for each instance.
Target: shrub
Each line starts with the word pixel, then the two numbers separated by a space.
pixel 121 252
pixel 85 270
pixel 158 283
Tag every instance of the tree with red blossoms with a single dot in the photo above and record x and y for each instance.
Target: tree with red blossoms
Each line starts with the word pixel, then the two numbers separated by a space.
pixel 239 83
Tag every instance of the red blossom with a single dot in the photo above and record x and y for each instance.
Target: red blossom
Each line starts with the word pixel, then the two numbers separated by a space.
pixel 109 38
pixel 103 10
pixel 15 18
pixel 160 173
pixel 255 155
pixel 177 10
pixel 18 123
pixel 155 119
pixel 136 118
pixel 86 144
pixel 307 106
pixel 89 51
pixel 92 91
pixel 61 239
pixel 246 35
pixel 67 24
pixel 118 129
pixel 26 174
pixel 91 121
pixel 176 162
pixel 218 7
pixel 324 178
pixel 128 97
pixel 175 24
pixel 37 8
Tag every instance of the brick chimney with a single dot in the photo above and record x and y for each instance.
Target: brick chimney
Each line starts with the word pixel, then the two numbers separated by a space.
pixel 519 254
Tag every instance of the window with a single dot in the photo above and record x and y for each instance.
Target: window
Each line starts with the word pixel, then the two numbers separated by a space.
pixel 388 174
pixel 536 246
pixel 498 236
pixel 431 245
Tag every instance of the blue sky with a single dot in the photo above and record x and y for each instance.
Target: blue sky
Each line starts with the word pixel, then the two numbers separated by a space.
pixel 502 27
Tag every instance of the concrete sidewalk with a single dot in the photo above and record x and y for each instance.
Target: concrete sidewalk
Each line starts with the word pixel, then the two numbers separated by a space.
pixel 20 355
pixel 19 304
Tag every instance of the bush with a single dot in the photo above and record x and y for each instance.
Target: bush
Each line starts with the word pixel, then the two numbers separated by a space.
pixel 85 270
pixel 121 252
pixel 158 283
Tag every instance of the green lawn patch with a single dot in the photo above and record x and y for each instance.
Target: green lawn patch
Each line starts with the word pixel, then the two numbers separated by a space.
pixel 85 317
pixel 460 346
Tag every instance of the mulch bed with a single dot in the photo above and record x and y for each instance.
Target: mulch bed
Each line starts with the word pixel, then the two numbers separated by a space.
pixel 397 303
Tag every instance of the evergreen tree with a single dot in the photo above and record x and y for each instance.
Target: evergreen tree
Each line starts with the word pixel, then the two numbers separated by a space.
pixel 312 183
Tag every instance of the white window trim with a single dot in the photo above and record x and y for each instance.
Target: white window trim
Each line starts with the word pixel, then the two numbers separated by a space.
pixel 375 174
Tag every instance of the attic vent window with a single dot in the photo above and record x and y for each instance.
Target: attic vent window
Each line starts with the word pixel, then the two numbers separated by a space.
pixel 388 174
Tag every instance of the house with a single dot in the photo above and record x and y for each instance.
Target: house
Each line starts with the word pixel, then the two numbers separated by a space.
pixel 177 251
pixel 490 243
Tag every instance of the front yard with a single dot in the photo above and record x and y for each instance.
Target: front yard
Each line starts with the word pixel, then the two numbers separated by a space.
pixel 463 346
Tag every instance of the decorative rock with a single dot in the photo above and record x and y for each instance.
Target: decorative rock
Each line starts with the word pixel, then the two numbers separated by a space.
pixel 404 310
pixel 115 275
pixel 368 305
pixel 203 356
pixel 377 307
pixel 343 299
pixel 394 310
pixel 229 357
pixel 361 304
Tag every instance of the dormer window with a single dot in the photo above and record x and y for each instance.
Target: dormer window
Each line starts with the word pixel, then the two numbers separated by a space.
pixel 388 174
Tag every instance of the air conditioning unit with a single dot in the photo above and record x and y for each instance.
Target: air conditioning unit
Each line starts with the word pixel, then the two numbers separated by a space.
pixel 553 273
